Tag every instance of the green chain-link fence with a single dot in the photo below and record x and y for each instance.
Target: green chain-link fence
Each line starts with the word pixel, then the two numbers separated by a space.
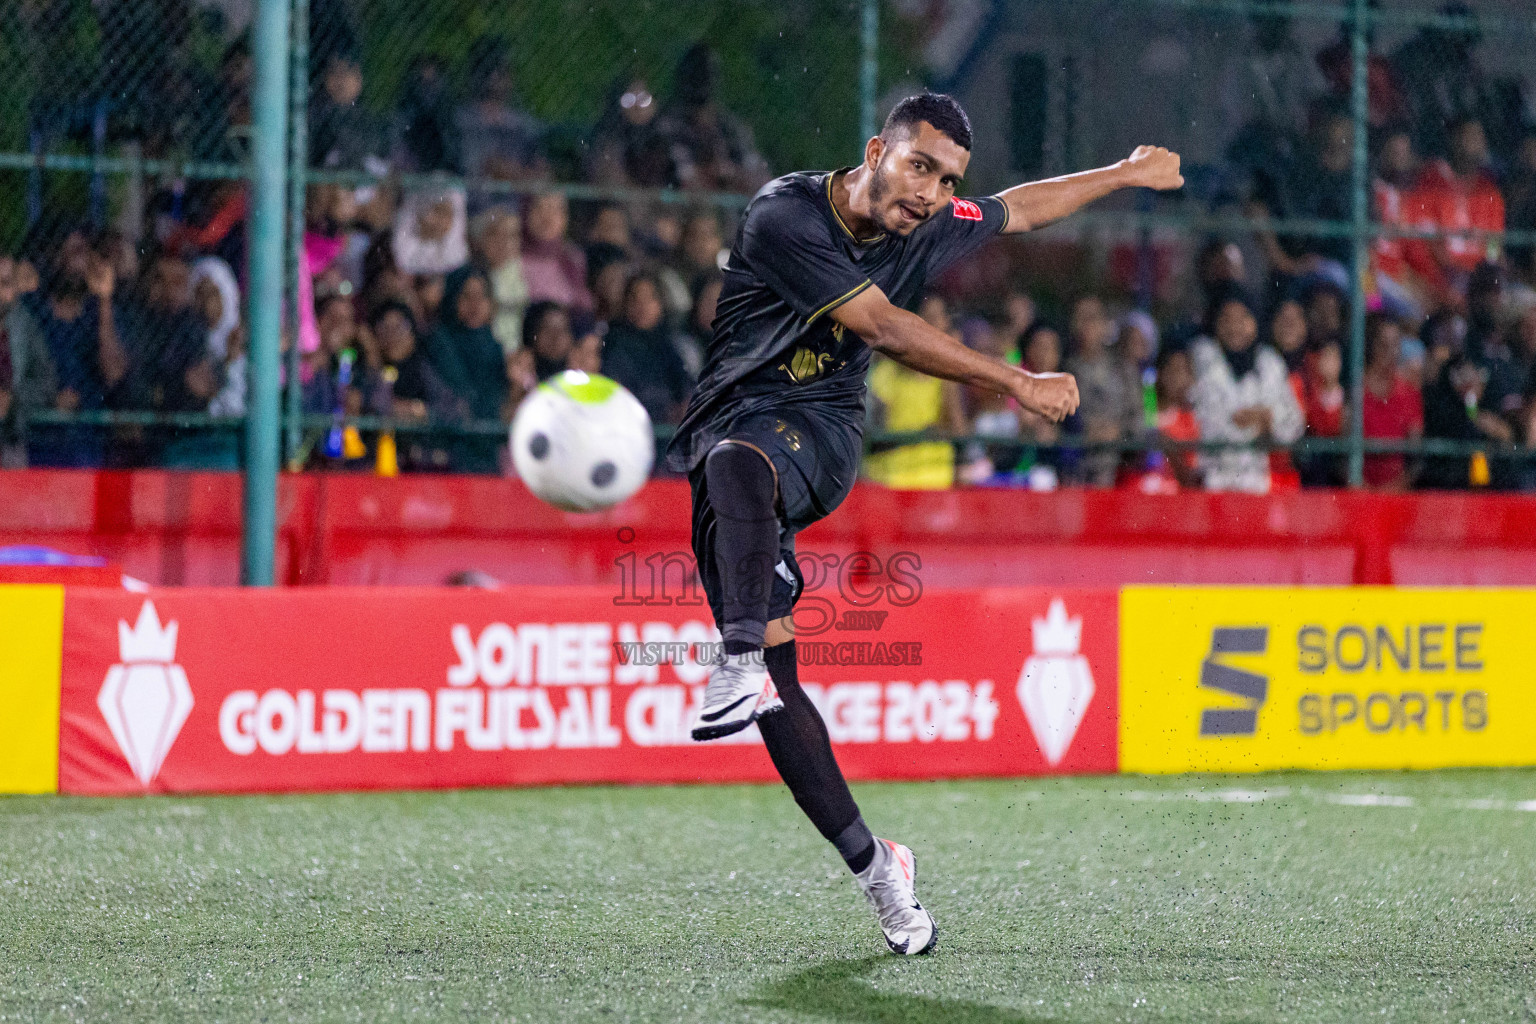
pixel 126 127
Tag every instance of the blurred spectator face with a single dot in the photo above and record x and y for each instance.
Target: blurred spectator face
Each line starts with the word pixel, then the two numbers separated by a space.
pixel 429 293
pixel 498 237
pixel 170 286
pixel 637 104
pixel 611 227
pixel 1020 310
pixel 586 355
pixel 1288 329
pixel 474 308
pixel 27 280
pixel 74 255
pixel 1385 345
pixel 435 220
pixel 552 337
pixel 118 249
pixel 1469 147
pixel 1175 378
pixel 1136 345
pixel 208 303
pixel 343 80
pixel 1236 329
pixel 1397 162
pixel 8 290
pixel 666 230
pixel 608 289
pixel 1329 363
pixel 701 241
pixel 337 322
pixel 935 313
pixel 1335 144
pixel 1042 352
pixel 496 86
pixel 1325 314
pixel 547 217
pixel 642 306
pixel 1467 379
pixel 397 337
pixel 327 207
pixel 979 335
pixel 499 240
pixel 1091 326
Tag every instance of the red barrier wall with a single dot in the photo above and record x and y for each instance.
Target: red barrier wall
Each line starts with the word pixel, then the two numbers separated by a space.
pixel 183 529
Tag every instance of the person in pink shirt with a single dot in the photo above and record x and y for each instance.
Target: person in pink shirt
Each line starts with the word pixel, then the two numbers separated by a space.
pixel 553 266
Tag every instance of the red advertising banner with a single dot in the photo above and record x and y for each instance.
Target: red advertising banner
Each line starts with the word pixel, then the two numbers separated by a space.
pixel 225 690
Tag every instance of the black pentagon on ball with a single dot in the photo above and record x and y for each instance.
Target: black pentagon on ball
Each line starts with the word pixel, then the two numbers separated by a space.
pixel 603 474
pixel 538 445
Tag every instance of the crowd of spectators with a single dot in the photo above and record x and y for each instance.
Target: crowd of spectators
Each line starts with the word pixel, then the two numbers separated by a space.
pixel 445 304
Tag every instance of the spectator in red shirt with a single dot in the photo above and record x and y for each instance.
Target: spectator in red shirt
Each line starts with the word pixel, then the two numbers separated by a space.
pixel 1393 408
pixel 1322 402
pixel 1407 278
pixel 1459 195
pixel 1171 470
pixel 1324 395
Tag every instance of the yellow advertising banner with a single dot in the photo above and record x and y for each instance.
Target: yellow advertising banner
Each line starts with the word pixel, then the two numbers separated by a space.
pixel 31 647
pixel 1235 679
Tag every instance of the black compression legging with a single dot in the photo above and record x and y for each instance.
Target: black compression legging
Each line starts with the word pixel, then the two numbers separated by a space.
pixel 741 492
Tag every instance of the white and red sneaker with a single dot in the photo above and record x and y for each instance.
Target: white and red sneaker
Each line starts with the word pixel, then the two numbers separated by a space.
pixel 890 882
pixel 740 691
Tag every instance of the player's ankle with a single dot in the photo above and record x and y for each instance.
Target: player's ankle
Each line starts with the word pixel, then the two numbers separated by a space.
pixel 733 647
pixel 861 860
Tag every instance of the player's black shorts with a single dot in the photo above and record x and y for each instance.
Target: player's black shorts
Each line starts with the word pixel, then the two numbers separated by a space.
pixel 816 464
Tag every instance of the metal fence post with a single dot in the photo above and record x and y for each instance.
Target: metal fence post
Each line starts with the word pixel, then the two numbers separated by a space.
pixel 1359 110
pixel 298 161
pixel 869 67
pixel 268 172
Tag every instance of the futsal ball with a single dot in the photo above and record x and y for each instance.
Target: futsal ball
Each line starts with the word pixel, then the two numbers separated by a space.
pixel 582 442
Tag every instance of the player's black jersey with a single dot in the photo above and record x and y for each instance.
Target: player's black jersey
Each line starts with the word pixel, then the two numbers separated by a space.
pixel 794 261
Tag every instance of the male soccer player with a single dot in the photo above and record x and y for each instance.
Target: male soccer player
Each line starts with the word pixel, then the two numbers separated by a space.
pixel 823 271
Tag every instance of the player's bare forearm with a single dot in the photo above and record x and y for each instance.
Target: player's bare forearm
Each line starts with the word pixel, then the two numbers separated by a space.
pixel 911 341
pixel 1038 203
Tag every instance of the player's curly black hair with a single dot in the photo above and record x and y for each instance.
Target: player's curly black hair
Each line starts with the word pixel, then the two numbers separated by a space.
pixel 938 109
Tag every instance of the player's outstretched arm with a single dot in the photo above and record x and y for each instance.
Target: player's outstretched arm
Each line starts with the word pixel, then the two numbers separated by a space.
pixel 1038 203
pixel 911 341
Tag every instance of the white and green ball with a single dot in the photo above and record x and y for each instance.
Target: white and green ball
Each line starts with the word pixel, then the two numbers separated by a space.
pixel 582 442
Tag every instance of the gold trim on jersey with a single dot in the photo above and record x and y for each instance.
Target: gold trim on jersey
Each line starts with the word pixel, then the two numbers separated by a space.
pixel 850 293
pixel 856 239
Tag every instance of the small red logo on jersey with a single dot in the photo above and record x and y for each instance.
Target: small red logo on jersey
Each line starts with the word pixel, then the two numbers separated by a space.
pixel 966 210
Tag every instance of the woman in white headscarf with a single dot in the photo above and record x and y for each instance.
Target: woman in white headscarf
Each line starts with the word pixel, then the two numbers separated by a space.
pixel 431 232
pixel 216 299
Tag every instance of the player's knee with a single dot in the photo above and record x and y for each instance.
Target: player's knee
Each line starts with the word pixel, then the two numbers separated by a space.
pixel 741 475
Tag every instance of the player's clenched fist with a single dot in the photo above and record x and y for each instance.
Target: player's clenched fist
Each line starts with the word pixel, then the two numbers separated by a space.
pixel 1052 395
pixel 1154 167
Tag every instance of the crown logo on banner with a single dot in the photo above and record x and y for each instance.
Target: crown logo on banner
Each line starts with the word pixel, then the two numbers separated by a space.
pixel 145 698
pixel 148 641
pixel 1056 684
pixel 1056 634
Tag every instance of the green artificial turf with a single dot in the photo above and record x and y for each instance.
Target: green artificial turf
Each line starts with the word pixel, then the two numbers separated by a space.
pixel 1316 898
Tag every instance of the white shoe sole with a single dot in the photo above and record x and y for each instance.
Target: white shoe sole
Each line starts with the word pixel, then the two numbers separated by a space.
pixel 732 720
